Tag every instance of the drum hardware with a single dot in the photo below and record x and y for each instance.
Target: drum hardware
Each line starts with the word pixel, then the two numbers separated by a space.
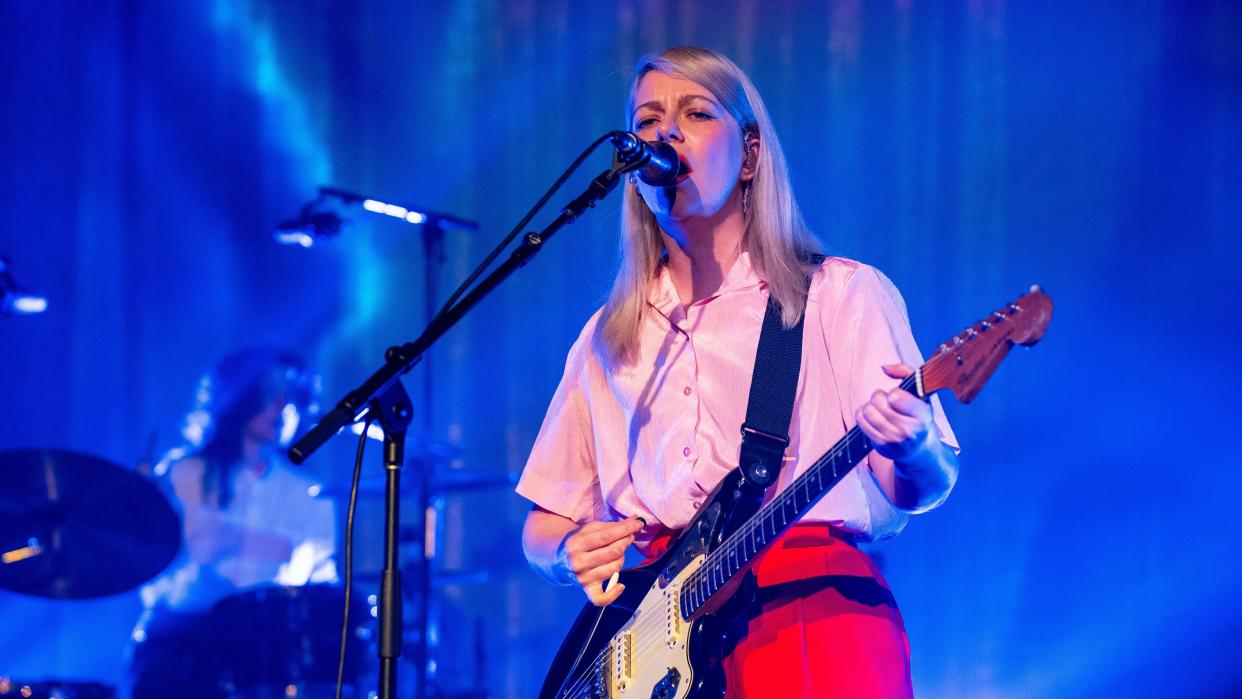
pixel 74 526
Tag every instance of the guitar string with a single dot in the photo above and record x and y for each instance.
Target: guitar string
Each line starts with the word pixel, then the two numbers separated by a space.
pixel 644 630
pixel 767 514
pixel 584 679
pixel 909 383
pixel 647 639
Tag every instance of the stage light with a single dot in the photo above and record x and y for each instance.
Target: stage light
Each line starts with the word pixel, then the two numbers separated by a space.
pixel 14 300
pixel 24 304
pixel 294 238
pixel 326 215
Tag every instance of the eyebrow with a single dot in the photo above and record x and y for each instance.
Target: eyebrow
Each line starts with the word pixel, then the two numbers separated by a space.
pixel 681 102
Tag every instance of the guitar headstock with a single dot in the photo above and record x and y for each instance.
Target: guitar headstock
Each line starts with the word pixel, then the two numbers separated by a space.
pixel 966 362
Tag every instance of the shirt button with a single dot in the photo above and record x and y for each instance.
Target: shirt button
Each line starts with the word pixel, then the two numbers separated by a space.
pixel 686 390
pixel 685 452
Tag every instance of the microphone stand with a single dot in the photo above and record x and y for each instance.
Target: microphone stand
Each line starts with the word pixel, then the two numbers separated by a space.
pixel 383 394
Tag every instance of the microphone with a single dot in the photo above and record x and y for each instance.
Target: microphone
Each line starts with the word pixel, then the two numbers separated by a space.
pixel 655 162
pixel 309 227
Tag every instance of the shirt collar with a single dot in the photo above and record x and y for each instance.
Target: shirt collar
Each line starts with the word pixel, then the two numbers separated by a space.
pixel 663 295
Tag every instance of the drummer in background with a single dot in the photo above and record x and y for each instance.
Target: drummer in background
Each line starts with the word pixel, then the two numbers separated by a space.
pixel 249 518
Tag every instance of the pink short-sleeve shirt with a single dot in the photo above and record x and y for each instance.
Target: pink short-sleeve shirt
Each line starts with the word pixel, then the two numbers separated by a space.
pixel 654 438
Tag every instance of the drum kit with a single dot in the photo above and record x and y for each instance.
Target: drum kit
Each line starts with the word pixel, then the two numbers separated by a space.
pixel 74 526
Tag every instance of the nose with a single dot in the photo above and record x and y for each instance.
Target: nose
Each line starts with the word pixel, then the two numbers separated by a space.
pixel 669 131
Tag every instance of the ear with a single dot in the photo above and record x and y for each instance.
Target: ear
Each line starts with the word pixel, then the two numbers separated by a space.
pixel 750 158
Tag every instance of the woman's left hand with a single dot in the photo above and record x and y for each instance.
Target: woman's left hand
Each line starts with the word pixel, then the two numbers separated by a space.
pixel 898 424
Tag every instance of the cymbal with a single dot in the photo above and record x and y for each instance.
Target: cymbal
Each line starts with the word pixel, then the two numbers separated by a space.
pixel 73 526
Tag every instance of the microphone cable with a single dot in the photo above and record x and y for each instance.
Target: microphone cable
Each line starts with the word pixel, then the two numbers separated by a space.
pixel 349 552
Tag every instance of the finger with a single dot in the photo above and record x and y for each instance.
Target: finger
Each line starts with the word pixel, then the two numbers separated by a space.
pixel 873 433
pixel 881 431
pixel 907 404
pixel 600 534
pixel 612 594
pixel 598 575
pixel 586 560
pixel 595 593
pixel 603 599
pixel 902 428
pixel 897 371
pixel 901 411
pixel 885 417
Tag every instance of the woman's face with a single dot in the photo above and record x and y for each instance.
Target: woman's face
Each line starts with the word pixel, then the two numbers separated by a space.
pixel 684 114
pixel 267 427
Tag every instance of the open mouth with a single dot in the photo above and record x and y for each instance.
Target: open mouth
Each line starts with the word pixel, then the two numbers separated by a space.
pixel 683 169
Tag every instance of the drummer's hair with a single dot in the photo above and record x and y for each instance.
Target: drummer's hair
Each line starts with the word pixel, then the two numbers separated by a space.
pixel 229 397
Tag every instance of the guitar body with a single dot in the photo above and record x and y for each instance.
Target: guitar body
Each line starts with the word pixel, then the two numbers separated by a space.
pixel 641 646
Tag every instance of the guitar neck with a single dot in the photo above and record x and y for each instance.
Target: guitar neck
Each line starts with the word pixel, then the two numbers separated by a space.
pixel 776 517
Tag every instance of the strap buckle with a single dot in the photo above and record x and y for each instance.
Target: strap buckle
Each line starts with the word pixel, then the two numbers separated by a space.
pixel 762 454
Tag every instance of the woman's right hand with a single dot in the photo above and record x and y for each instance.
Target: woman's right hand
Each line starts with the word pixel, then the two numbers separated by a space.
pixel 594 552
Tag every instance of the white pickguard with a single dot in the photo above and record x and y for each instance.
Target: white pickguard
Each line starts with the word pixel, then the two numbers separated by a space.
pixel 653 642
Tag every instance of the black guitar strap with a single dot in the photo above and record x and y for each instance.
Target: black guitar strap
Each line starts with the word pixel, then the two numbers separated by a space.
pixel 769 410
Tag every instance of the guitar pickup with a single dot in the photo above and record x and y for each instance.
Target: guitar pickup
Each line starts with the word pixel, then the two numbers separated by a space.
pixel 621 659
pixel 672 604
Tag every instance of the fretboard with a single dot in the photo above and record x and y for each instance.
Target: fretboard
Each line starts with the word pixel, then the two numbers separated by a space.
pixel 774 518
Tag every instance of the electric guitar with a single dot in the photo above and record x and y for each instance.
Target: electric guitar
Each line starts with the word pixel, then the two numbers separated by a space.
pixel 662 638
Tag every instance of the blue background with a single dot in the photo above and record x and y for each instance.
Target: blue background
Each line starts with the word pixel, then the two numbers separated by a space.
pixel 968 149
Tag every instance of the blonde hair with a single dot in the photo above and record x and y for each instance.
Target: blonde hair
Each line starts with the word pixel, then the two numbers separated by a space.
pixel 776 238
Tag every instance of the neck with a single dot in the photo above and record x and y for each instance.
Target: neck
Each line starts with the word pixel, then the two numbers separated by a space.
pixel 701 250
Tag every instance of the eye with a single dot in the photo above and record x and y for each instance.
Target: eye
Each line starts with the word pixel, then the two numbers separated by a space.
pixel 645 122
pixel 700 115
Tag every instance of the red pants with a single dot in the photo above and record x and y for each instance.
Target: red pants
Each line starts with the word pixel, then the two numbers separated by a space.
pixel 827 626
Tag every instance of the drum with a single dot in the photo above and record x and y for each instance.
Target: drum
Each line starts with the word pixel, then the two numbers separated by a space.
pixel 285 641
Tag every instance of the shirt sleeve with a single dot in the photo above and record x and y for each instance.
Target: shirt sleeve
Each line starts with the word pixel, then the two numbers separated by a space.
pixel 561 475
pixel 870 328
